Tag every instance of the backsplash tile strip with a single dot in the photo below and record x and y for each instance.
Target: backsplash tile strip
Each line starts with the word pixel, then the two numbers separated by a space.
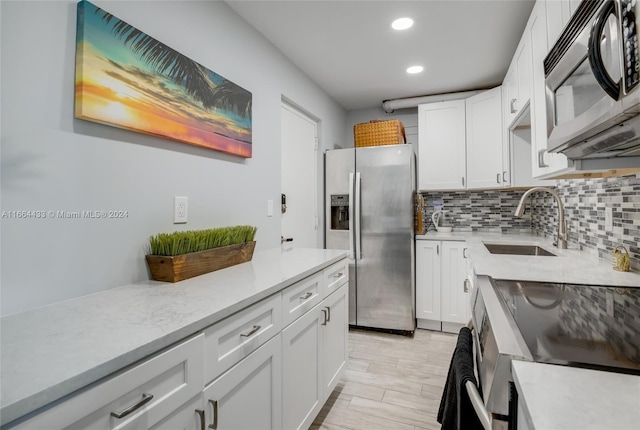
pixel 584 201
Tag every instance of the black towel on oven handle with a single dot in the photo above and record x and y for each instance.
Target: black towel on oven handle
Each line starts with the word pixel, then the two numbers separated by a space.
pixel 456 411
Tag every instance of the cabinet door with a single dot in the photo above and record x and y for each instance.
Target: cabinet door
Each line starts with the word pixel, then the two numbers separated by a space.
pixel 302 370
pixel 543 163
pixel 248 396
pixel 335 332
pixel 442 142
pixel 484 139
pixel 523 60
pixel 557 14
pixel 428 280
pixel 510 85
pixel 454 301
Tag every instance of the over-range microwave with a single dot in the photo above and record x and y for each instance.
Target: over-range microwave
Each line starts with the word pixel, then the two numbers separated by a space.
pixel 592 82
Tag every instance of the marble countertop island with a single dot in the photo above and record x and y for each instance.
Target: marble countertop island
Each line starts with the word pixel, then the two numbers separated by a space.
pixel 52 351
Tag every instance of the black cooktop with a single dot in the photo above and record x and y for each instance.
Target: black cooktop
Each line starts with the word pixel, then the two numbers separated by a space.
pixel 579 325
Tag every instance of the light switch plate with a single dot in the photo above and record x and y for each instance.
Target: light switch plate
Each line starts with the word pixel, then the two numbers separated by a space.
pixel 269 207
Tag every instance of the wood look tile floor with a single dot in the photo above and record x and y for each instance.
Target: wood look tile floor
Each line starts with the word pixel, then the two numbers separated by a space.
pixel 392 382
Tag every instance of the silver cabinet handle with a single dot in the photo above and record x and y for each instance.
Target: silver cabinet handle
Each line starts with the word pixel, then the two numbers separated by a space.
pixel 464 252
pixel 463 181
pixel 254 329
pixel 466 285
pixel 328 314
pixel 146 398
pixel 498 178
pixel 214 405
pixel 337 275
pixel 324 312
pixel 512 105
pixel 541 162
pixel 504 176
pixel 437 249
pixel 306 295
pixel 200 413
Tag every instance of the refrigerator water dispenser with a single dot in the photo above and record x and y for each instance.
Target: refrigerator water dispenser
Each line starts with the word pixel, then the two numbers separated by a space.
pixel 339 212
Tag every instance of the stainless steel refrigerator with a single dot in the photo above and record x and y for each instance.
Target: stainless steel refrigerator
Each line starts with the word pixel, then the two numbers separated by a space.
pixel 369 204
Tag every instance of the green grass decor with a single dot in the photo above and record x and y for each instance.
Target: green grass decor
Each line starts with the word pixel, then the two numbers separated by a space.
pixel 185 242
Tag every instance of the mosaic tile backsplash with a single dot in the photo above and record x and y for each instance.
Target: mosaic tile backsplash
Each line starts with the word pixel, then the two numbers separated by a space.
pixel 584 201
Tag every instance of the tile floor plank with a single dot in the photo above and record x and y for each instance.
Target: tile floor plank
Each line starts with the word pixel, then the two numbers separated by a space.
pixel 391 382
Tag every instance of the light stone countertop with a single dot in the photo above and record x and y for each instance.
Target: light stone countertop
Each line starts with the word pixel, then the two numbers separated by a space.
pixel 49 352
pixel 570 266
pixel 565 398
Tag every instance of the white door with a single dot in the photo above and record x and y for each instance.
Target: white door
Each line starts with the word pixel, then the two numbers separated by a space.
pixel 454 299
pixel 299 177
pixel 335 334
pixel 427 281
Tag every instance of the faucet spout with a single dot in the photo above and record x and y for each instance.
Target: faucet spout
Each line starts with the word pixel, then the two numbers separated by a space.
pixel 562 237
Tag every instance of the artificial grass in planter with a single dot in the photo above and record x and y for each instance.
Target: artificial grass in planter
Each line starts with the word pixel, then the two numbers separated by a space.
pixel 185 254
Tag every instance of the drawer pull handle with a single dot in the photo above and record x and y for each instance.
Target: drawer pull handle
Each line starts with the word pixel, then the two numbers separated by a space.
pixel 214 404
pixel 466 285
pixel 328 314
pixel 306 296
pixel 254 329
pixel 324 312
pixel 200 413
pixel 146 398
pixel 337 275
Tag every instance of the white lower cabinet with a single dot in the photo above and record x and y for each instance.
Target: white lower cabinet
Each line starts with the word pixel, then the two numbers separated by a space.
pixel 335 339
pixel 302 370
pixel 442 298
pixel 138 398
pixel 248 396
pixel 244 372
pixel 314 358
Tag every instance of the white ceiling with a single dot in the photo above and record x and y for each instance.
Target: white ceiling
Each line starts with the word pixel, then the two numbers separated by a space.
pixel 350 50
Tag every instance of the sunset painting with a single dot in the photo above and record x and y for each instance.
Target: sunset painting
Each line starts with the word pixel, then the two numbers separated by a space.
pixel 128 79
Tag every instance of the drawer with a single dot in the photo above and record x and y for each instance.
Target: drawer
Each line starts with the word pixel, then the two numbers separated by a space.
pixel 143 395
pixel 232 339
pixel 335 275
pixel 301 297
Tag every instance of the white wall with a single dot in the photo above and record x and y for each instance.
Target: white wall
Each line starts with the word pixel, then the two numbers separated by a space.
pixel 51 161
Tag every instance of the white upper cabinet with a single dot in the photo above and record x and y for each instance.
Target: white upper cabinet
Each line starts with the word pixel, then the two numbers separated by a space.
pixel 544 25
pixel 517 82
pixel 484 140
pixel 442 153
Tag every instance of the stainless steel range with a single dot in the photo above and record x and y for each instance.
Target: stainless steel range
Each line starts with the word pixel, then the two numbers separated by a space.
pixel 594 327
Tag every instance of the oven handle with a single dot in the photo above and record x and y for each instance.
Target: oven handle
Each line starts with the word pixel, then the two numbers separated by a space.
pixel 478 405
pixel 475 398
pixel 595 55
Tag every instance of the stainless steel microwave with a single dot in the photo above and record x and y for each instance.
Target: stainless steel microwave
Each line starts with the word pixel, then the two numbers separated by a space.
pixel 592 82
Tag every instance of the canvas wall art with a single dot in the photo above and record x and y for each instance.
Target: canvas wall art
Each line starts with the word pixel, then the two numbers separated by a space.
pixel 128 79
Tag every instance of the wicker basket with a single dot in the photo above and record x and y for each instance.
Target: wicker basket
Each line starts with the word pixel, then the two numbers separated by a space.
pixel 379 132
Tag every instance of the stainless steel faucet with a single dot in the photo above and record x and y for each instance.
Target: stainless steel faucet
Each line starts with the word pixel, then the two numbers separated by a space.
pixel 563 237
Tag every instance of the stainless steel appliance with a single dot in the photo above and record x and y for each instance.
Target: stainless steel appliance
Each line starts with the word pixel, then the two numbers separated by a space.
pixel 593 84
pixel 594 327
pixel 369 194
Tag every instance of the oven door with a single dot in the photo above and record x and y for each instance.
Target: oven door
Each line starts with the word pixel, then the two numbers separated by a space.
pixel 583 89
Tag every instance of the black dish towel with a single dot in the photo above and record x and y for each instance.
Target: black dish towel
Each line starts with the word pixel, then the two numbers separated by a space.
pixel 456 411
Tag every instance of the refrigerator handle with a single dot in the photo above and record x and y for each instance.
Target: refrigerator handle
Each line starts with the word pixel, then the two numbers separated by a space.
pixel 351 217
pixel 358 204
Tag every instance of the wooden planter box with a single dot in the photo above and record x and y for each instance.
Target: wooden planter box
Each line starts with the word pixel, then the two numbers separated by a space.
pixel 185 266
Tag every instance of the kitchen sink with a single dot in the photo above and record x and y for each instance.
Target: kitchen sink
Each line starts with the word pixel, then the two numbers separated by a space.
pixel 500 248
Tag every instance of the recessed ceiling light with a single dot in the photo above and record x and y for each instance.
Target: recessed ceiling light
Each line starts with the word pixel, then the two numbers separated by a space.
pixel 402 23
pixel 415 69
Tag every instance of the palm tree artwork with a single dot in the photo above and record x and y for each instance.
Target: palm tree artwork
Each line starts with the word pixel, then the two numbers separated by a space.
pixel 128 79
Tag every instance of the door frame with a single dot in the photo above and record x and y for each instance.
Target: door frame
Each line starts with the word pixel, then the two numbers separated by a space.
pixel 295 109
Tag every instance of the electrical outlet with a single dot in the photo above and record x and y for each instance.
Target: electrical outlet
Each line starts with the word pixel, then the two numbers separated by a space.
pixel 180 209
pixel 608 219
